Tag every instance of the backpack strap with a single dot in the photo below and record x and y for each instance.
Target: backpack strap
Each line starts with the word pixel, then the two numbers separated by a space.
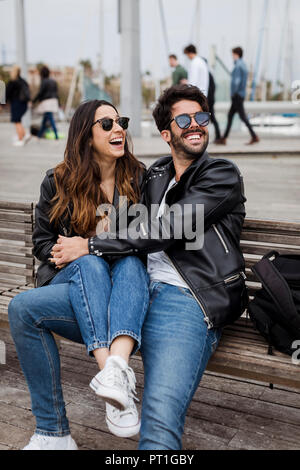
pixel 278 289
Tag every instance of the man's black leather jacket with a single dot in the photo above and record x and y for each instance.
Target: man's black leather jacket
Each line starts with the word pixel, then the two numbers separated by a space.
pixel 215 273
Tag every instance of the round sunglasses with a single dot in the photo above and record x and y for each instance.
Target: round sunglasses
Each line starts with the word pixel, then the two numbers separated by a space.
pixel 184 120
pixel 107 123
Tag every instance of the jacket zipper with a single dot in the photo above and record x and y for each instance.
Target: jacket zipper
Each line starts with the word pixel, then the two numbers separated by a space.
pixel 207 320
pixel 235 277
pixel 221 239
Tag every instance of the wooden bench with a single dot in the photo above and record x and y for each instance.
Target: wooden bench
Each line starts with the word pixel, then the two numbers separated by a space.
pixel 242 352
pixel 17 263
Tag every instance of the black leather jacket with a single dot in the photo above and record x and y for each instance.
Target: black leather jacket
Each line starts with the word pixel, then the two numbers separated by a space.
pixel 45 234
pixel 215 273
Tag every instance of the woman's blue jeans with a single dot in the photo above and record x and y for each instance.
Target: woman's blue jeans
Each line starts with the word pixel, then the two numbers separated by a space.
pixel 176 347
pixel 88 302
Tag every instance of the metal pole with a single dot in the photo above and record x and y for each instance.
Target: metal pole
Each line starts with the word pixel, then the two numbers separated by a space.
pixel 259 49
pixel 21 50
pixel 131 96
pixel 101 48
pixel 164 27
pixel 21 37
pixel 198 26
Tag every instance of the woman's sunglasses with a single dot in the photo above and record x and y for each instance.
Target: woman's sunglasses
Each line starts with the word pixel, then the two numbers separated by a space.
pixel 107 123
pixel 184 120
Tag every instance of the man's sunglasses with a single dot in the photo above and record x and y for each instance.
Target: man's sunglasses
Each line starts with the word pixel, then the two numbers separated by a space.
pixel 184 120
pixel 107 123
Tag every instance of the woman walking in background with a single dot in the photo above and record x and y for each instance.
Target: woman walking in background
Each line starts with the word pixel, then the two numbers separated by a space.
pixel 48 101
pixel 18 95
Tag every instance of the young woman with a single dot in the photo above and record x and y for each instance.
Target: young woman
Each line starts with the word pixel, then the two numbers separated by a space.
pixel 98 301
pixel 17 94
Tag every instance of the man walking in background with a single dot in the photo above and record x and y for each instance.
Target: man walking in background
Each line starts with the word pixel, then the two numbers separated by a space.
pixel 198 71
pixel 180 74
pixel 238 93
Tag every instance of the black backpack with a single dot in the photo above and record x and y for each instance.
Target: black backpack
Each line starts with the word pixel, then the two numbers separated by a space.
pixel 24 93
pixel 275 309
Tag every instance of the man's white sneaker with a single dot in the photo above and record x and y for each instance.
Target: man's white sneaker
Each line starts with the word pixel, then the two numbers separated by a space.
pixel 123 423
pixel 114 381
pixel 40 442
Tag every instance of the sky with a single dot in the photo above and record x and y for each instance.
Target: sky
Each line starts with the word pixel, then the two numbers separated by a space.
pixel 59 32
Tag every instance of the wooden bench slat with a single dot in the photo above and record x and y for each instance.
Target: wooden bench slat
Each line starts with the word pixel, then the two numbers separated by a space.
pixel 15 249
pixel 272 238
pixel 15 270
pixel 28 261
pixel 15 236
pixel 6 225
pixel 271 225
pixel 262 250
pixel 16 217
pixel 19 206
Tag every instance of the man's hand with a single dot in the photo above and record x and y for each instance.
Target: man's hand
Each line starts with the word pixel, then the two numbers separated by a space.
pixel 68 249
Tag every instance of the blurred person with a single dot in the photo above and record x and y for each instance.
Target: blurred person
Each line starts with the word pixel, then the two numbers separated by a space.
pixel 97 301
pixel 18 95
pixel 211 104
pixel 180 74
pixel 198 71
pixel 238 94
pixel 48 101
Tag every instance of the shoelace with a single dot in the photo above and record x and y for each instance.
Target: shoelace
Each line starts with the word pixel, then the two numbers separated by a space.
pixel 113 375
pixel 131 383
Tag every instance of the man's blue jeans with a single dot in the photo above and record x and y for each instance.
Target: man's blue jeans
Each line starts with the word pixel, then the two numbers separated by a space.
pixel 88 302
pixel 47 117
pixel 176 346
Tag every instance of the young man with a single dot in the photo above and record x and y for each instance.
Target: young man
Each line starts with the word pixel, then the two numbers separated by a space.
pixel 238 94
pixel 179 74
pixel 194 291
pixel 198 71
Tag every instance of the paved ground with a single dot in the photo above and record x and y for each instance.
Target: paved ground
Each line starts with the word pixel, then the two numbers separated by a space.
pixel 272 182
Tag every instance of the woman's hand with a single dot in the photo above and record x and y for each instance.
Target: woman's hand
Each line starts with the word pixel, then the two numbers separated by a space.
pixel 68 249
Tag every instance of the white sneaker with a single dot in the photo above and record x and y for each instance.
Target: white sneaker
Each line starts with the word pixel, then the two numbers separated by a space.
pixel 114 381
pixel 40 442
pixel 27 138
pixel 18 143
pixel 123 423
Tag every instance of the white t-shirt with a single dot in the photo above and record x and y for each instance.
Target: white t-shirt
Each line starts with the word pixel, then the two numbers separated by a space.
pixel 198 74
pixel 159 266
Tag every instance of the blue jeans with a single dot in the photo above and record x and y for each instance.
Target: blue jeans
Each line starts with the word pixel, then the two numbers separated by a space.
pixel 176 347
pixel 88 302
pixel 47 117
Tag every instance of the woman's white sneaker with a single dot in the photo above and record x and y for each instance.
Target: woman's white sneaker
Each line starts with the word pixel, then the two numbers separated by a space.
pixel 40 442
pixel 111 383
pixel 123 423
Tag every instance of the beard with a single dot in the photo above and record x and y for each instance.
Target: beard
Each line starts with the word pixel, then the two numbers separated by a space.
pixel 189 153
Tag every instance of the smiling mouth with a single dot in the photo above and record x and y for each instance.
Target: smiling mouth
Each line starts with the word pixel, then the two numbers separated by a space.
pixel 194 137
pixel 117 142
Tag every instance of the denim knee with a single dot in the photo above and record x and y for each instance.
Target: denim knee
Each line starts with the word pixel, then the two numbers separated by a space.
pixel 90 262
pixel 16 309
pixel 131 265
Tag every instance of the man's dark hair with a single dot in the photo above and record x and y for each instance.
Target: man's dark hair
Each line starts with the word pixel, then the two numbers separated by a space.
pixel 239 51
pixel 162 113
pixel 173 56
pixel 44 72
pixel 190 49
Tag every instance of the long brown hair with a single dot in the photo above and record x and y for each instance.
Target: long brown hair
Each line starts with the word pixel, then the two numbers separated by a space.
pixel 78 177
